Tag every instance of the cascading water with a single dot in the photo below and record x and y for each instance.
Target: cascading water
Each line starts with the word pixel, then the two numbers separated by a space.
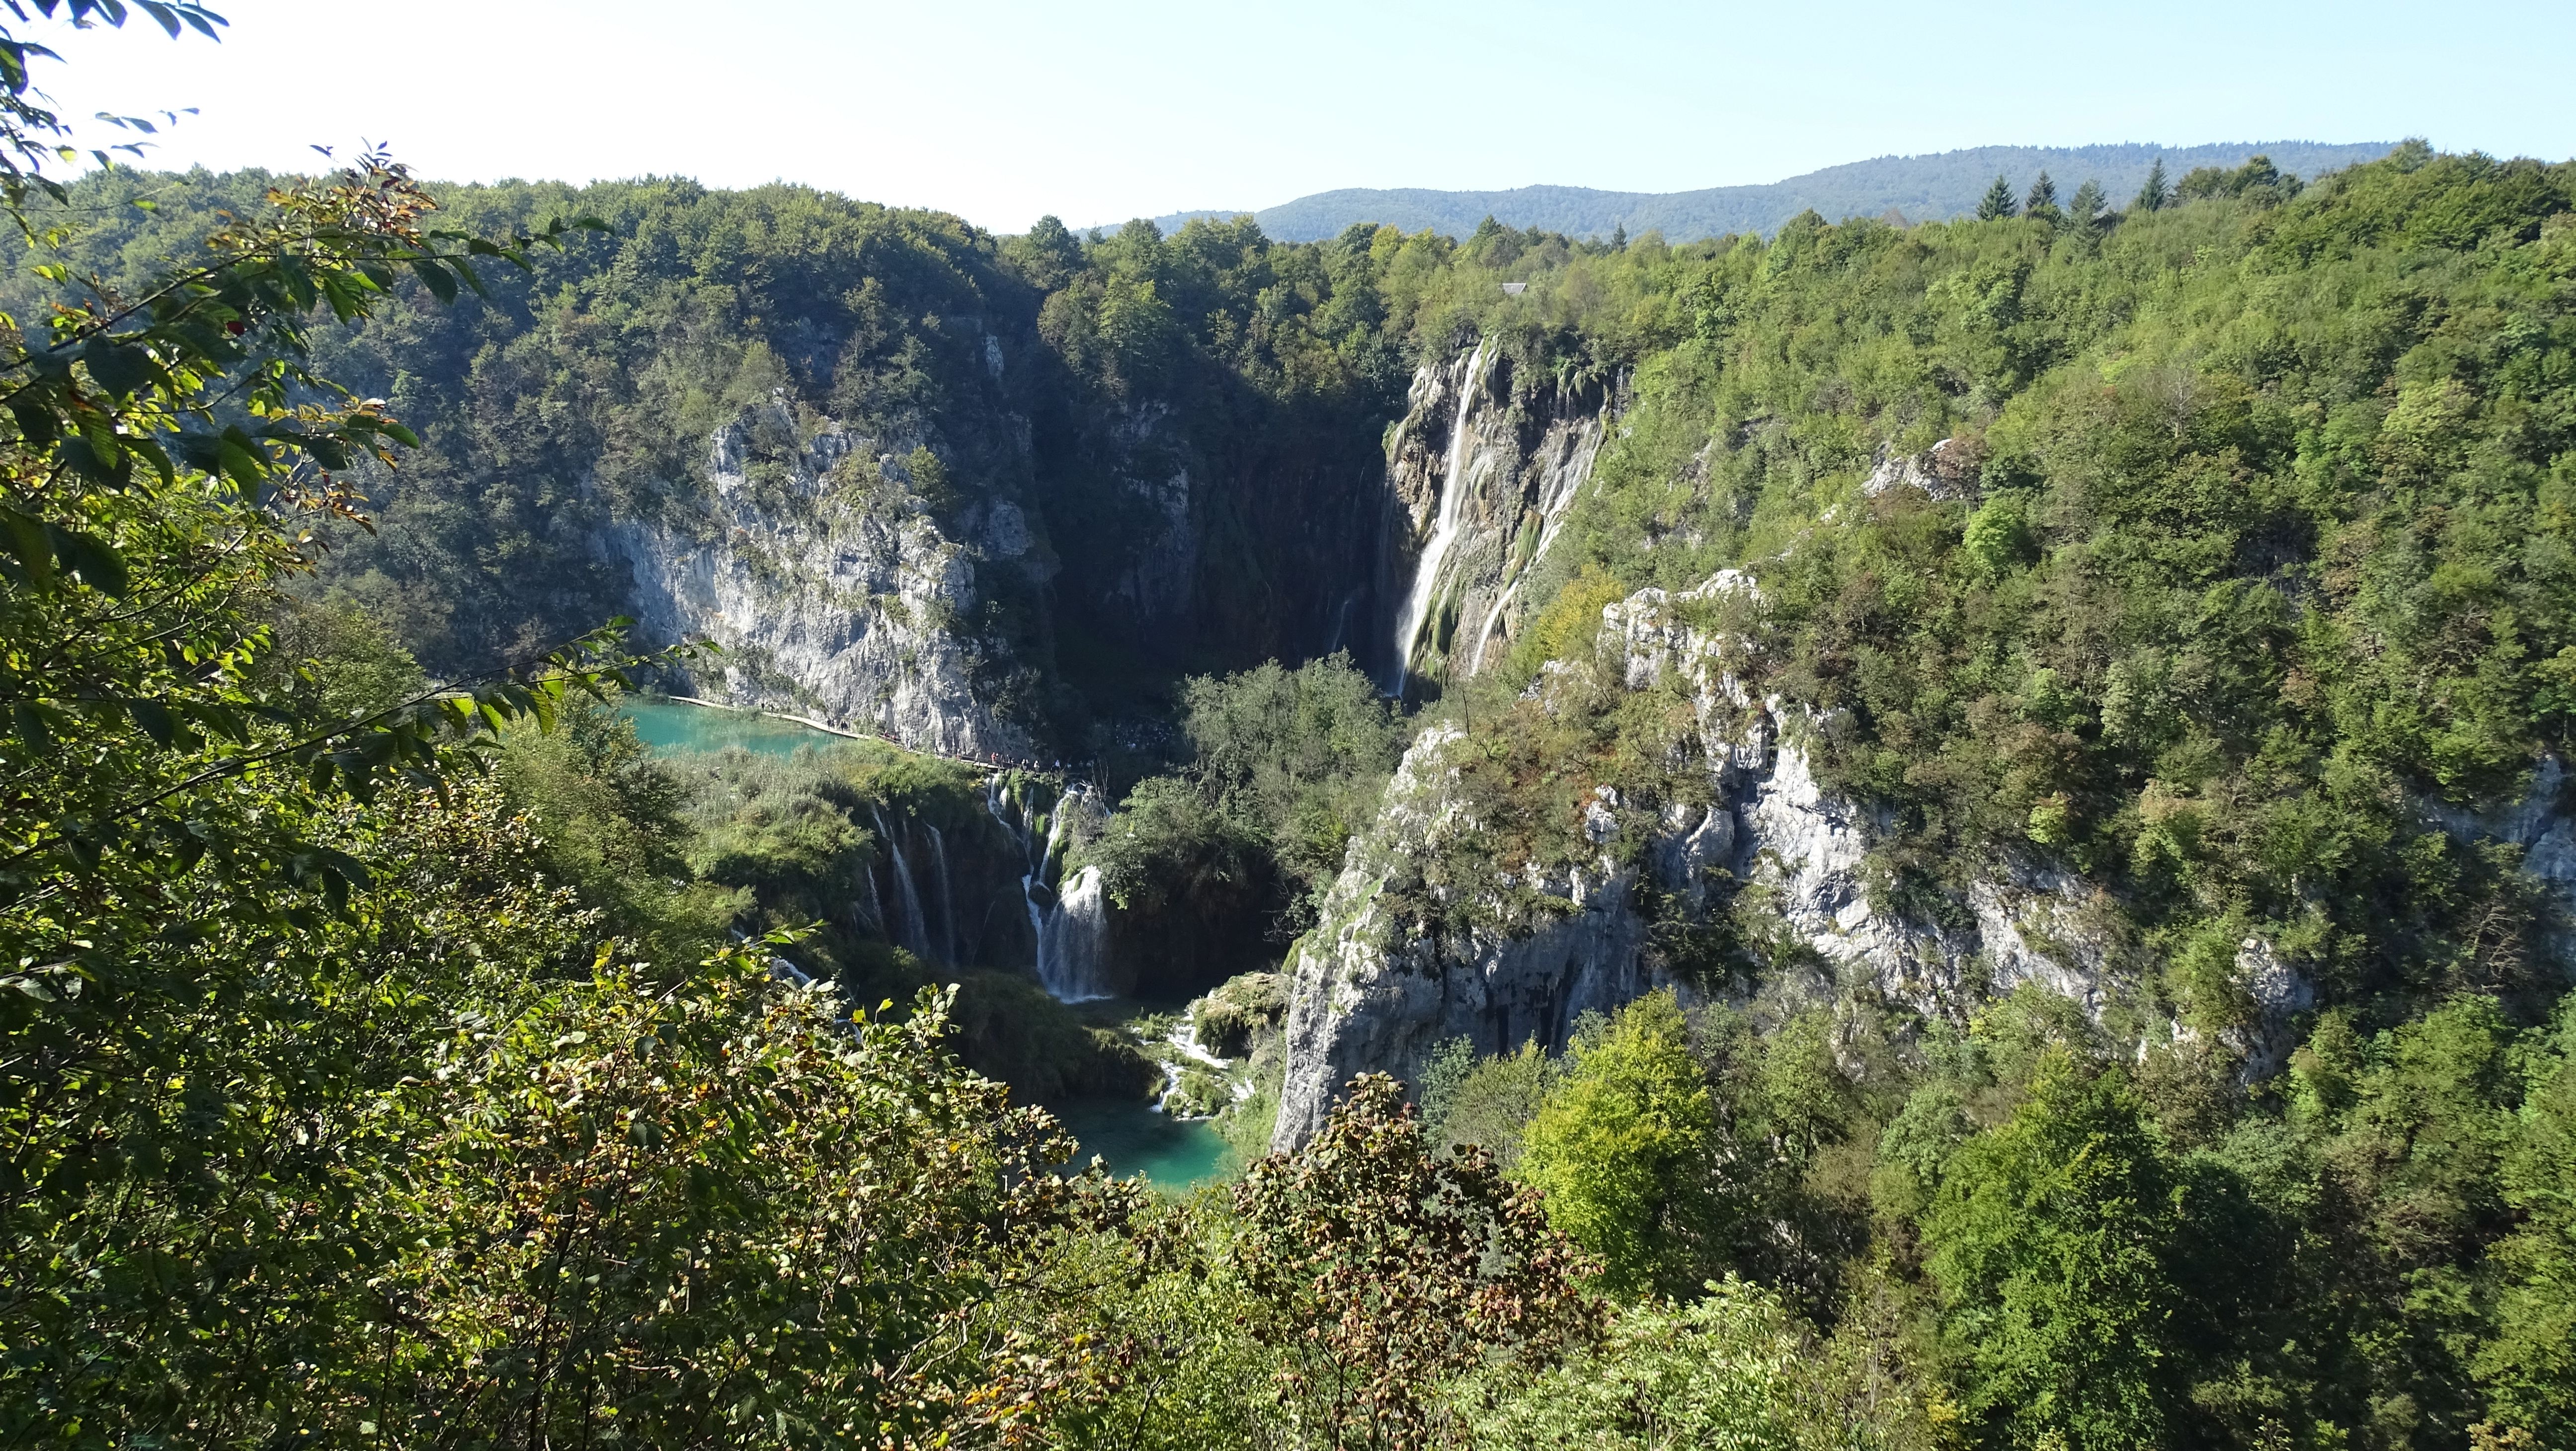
pixel 1453 497
pixel 1070 924
pixel 1070 956
pixel 873 914
pixel 916 924
pixel 947 897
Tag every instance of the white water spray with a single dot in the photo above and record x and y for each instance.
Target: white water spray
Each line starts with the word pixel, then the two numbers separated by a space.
pixel 1070 920
pixel 916 924
pixel 1453 496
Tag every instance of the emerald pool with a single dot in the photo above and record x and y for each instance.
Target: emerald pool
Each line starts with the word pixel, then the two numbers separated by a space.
pixel 672 727
pixel 1135 1139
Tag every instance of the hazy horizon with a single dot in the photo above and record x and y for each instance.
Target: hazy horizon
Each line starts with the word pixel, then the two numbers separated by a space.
pixel 1149 109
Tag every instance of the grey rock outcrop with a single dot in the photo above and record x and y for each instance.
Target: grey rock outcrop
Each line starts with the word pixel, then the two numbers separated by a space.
pixel 1946 470
pixel 1769 837
pixel 2536 823
pixel 1362 1001
pixel 1482 470
pixel 830 590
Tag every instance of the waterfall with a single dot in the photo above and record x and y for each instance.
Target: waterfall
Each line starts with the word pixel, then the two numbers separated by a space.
pixel 1069 921
pixel 916 925
pixel 873 914
pixel 1342 621
pixel 947 899
pixel 1070 956
pixel 1453 496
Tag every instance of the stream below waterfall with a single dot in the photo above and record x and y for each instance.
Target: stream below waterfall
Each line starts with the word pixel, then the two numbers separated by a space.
pixel 1066 915
pixel 1136 1138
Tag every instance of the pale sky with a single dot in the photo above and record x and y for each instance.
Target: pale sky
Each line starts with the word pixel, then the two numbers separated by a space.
pixel 1001 112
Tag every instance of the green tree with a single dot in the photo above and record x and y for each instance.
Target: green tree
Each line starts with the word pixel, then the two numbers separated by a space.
pixel 1997 202
pixel 1723 1370
pixel 1047 254
pixel 1621 1145
pixel 2084 209
pixel 2051 1240
pixel 1491 1104
pixel 1381 1269
pixel 2529 1365
pixel 2042 201
pixel 1998 535
pixel 2152 195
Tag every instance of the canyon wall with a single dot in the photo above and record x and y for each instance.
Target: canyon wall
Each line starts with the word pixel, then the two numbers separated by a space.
pixel 1771 853
pixel 1481 470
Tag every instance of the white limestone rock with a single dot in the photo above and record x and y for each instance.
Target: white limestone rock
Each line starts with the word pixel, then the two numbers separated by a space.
pixel 827 600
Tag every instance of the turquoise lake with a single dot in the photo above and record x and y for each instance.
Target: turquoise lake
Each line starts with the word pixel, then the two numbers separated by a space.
pixel 1130 1136
pixel 672 727
pixel 1133 1139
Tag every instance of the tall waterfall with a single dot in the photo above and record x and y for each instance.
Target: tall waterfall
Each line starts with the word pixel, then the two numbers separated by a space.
pixel 1071 960
pixel 1453 500
pixel 915 932
pixel 1069 919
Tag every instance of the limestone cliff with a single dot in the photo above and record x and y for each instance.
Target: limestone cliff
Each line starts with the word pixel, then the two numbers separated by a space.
pixel 1481 469
pixel 830 588
pixel 1757 841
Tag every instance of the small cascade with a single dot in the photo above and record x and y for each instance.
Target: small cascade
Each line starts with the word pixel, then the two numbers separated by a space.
pixel 1071 961
pixel 1069 919
pixel 1342 622
pixel 1453 503
pixel 907 896
pixel 947 898
pixel 873 913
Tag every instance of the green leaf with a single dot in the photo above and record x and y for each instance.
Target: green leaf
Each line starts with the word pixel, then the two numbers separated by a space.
pixel 118 367
pixel 154 719
pixel 87 555
pixel 435 278
pixel 28 539
pixel 96 455
pixel 186 847
pixel 37 425
pixel 241 459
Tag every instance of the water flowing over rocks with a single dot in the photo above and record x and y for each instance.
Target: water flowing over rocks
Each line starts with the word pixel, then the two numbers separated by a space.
pixel 830 590
pixel 1481 469
pixel 1068 915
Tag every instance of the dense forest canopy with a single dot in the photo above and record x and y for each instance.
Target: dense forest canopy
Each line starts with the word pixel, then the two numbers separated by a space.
pixel 394 1050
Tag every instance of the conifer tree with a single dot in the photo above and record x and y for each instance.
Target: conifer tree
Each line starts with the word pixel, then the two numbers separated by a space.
pixel 1998 201
pixel 2085 210
pixel 2042 201
pixel 2153 196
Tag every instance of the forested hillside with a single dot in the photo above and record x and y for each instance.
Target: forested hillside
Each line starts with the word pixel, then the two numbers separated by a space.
pixel 1929 836
pixel 1936 188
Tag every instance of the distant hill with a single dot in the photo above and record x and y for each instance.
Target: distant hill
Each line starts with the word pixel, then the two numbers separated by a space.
pixel 1921 187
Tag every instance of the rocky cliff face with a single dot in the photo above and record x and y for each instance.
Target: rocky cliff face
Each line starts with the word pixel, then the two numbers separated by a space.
pixel 1482 469
pixel 1361 999
pixel 832 591
pixel 1770 850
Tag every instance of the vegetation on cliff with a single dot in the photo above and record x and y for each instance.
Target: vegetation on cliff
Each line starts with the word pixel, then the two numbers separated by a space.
pixel 352 1096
